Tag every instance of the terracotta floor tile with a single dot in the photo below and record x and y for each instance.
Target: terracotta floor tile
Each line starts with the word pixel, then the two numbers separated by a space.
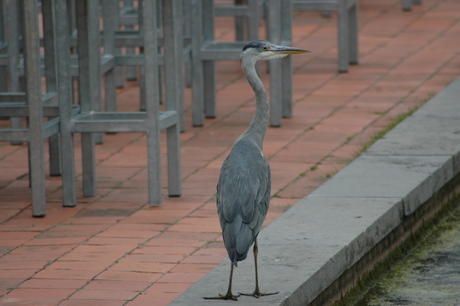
pixel 78 265
pixel 29 301
pixel 138 227
pixel 193 268
pixel 92 303
pixel 99 294
pixel 168 242
pixel 19 265
pixel 141 266
pixel 128 234
pixel 41 293
pixel 93 220
pixel 39 253
pixel 180 277
pixel 53 284
pixel 207 256
pixel 165 250
pixel 66 274
pixel 7 284
pixel 104 258
pixel 198 225
pixel 117 285
pixel 129 276
pixel 107 249
pixel 155 215
pixel 56 241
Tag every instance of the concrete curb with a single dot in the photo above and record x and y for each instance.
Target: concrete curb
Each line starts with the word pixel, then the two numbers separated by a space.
pixel 306 249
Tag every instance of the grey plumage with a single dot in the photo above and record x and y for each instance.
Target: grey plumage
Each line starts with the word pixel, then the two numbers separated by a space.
pixel 243 196
pixel 243 189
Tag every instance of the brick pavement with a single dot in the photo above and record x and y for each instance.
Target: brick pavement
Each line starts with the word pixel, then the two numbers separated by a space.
pixel 113 249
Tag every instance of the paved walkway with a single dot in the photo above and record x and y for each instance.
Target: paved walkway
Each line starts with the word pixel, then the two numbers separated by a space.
pixel 114 249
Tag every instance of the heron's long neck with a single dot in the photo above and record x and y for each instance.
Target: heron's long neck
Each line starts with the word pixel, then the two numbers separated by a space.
pixel 258 127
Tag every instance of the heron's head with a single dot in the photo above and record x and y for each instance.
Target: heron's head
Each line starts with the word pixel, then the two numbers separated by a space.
pixel 259 50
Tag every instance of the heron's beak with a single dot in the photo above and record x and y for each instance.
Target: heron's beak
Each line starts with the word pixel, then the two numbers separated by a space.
pixel 289 50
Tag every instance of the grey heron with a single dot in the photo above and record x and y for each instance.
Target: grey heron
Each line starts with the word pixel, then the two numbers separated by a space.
pixel 243 189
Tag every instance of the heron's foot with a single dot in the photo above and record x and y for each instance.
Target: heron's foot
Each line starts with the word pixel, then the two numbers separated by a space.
pixel 228 296
pixel 258 294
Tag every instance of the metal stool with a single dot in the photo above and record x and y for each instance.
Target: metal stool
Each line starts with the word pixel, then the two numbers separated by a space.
pixel 152 121
pixel 35 105
pixel 347 26
pixel 128 18
pixel 205 51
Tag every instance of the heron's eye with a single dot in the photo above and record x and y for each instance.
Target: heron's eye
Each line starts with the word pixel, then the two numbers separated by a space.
pixel 265 48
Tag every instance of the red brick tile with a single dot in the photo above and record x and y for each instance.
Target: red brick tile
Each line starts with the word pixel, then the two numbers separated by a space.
pixel 104 249
pixel 115 241
pixel 117 285
pixel 29 301
pixel 41 293
pixel 165 250
pixel 78 265
pixel 105 258
pixel 56 241
pixel 66 274
pixel 36 253
pixel 206 224
pixel 191 236
pixel 110 233
pixel 138 227
pixel 141 266
pixel 92 303
pixel 193 268
pixel 157 216
pixel 127 195
pixel 180 277
pixel 8 284
pixel 129 276
pixel 93 220
pixel 15 265
pixel 99 294
pixel 18 273
pixel 53 284
pixel 6 214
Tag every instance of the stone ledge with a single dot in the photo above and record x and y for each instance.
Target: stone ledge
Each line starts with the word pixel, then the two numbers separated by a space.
pixel 311 245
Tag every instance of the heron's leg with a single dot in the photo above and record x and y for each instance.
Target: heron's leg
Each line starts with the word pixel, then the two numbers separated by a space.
pixel 229 295
pixel 257 292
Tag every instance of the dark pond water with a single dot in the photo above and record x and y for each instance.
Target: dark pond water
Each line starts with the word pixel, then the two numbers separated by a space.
pixel 429 275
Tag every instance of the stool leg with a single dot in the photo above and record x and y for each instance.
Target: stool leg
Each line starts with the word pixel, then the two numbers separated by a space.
pixel 209 74
pixel 209 70
pixel 152 105
pixel 274 35
pixel 197 66
pixel 286 63
pixel 34 94
pixel 343 36
pixel 49 41
pixel 89 83
pixel 353 32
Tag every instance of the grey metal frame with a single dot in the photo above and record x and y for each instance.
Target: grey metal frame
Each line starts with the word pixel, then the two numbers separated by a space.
pixel 32 103
pixel 130 16
pixel 205 51
pixel 152 121
pixel 58 66
pixel 347 26
pixel 407 4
